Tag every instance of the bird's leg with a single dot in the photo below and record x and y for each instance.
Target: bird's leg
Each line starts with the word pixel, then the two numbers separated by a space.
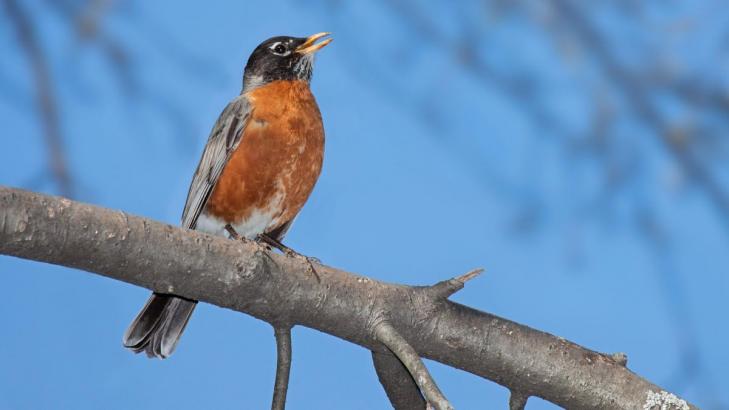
pixel 231 231
pixel 236 236
pixel 267 239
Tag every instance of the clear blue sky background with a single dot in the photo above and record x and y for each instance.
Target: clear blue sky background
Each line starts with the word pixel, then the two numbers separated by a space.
pixel 428 174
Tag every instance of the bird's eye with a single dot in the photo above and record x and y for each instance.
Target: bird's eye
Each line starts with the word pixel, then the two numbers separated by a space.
pixel 279 48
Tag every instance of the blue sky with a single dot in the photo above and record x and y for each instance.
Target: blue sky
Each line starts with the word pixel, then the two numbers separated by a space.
pixel 428 173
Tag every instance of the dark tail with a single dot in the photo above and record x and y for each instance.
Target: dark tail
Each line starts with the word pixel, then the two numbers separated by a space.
pixel 159 325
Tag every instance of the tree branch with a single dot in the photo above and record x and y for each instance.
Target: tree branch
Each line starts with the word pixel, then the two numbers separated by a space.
pixel 385 333
pixel 448 287
pixel 397 382
pixel 247 278
pixel 45 96
pixel 517 401
pixel 283 366
pixel 633 89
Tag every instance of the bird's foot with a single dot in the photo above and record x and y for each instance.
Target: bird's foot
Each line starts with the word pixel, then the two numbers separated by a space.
pixel 310 261
pixel 236 236
pixel 232 232
pixel 293 254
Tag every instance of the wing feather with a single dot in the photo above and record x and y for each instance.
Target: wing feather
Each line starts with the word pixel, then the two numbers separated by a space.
pixel 223 140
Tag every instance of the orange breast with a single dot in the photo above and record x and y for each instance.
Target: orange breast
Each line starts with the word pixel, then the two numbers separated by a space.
pixel 278 160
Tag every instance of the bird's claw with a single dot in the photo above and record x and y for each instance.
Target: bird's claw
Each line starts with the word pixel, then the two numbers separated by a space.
pixel 310 261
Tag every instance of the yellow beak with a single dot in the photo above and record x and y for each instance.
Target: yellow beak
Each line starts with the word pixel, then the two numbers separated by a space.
pixel 309 47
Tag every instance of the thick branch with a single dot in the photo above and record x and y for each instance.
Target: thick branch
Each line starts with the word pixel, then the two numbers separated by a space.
pixel 246 278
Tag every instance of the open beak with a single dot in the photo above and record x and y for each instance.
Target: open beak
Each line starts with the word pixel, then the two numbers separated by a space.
pixel 309 47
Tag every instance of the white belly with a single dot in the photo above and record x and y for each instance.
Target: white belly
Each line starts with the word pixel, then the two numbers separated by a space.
pixel 258 222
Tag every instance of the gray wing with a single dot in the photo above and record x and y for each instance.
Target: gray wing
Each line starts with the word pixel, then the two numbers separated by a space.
pixel 224 139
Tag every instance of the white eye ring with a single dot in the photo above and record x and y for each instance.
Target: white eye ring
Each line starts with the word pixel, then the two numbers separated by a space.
pixel 280 53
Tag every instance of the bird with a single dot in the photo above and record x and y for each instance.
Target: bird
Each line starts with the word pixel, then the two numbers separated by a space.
pixel 258 168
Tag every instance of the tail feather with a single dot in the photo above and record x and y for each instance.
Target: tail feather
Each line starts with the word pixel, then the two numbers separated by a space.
pixel 157 328
pixel 145 322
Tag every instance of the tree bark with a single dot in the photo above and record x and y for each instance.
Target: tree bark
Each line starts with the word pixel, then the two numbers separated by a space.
pixel 399 385
pixel 247 278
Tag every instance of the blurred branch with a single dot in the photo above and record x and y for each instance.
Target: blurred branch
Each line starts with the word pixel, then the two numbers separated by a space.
pixel 276 289
pixel 680 141
pixel 673 140
pixel 519 88
pixel 45 97
pixel 85 20
pixel 429 111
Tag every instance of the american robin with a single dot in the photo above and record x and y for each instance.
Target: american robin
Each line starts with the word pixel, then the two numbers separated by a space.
pixel 259 166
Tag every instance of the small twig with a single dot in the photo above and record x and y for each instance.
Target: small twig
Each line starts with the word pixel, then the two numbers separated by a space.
pixel 517 400
pixel 399 385
pixel 470 275
pixel 448 287
pixel 283 366
pixel 387 335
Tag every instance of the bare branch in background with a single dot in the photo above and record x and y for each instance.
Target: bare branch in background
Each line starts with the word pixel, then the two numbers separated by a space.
pixel 636 96
pixel 247 278
pixel 46 103
pixel 87 20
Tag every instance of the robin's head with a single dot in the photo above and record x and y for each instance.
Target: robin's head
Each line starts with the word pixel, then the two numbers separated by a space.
pixel 282 58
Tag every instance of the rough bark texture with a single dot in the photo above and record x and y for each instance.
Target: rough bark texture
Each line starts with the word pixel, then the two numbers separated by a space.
pixel 246 278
